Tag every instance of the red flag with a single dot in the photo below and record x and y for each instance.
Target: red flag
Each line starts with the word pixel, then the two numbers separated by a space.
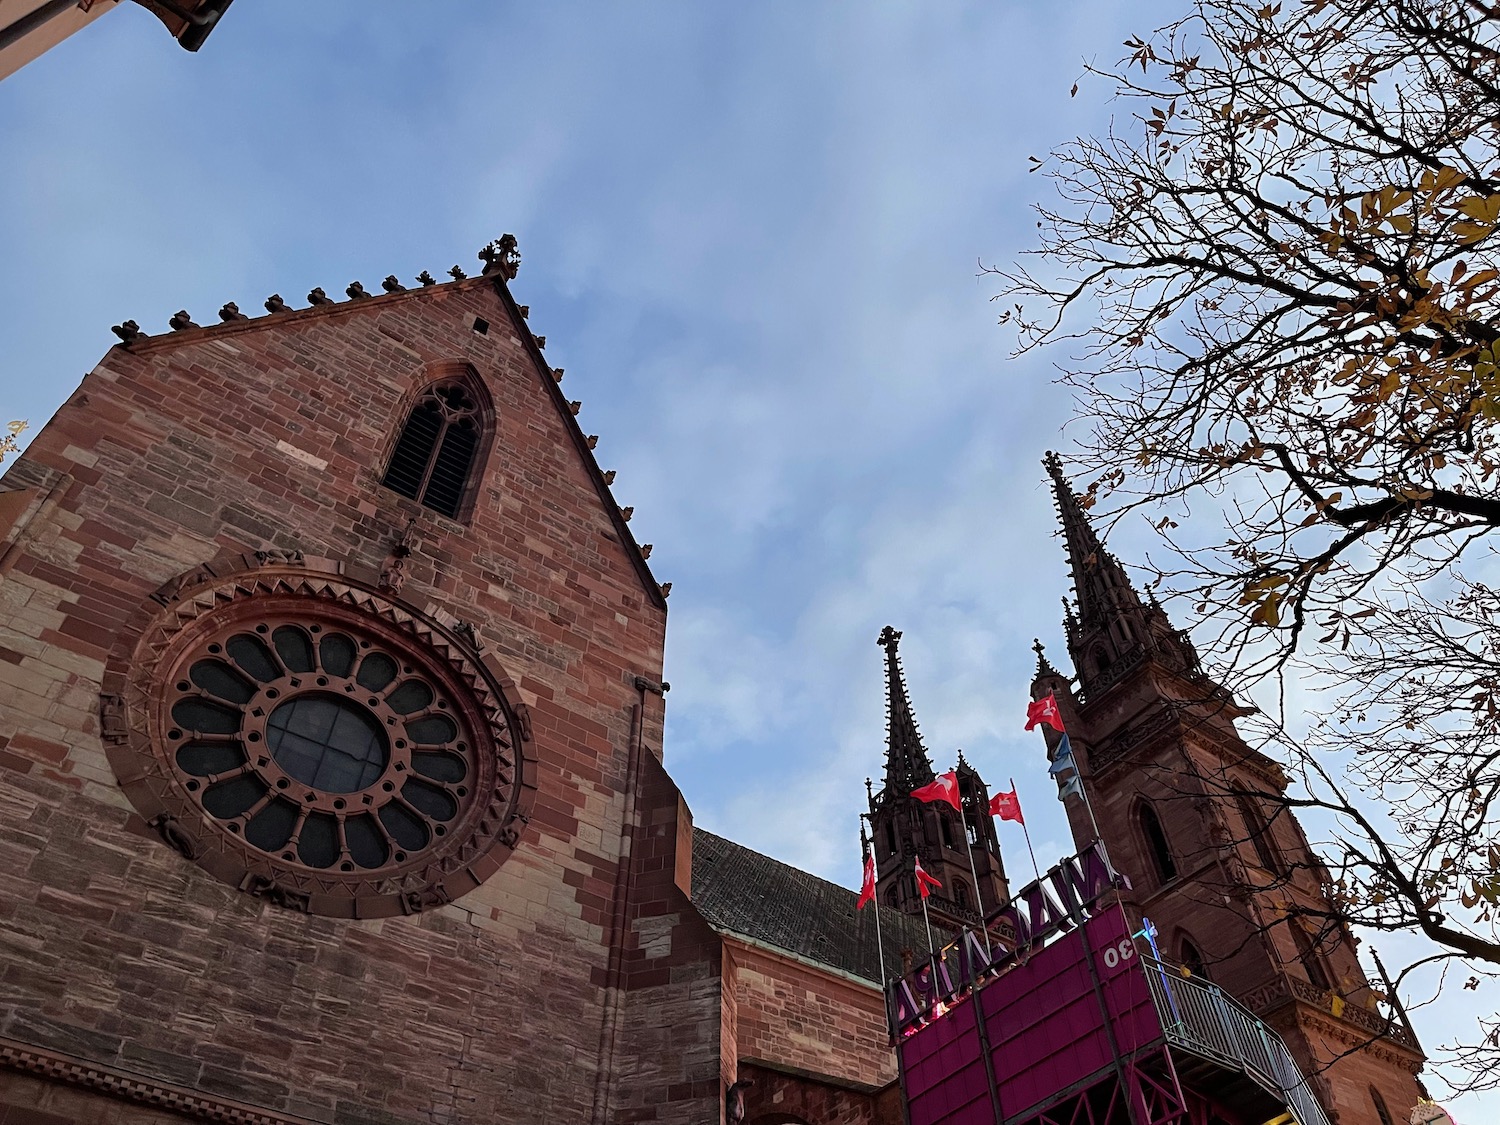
pixel 1044 710
pixel 945 788
pixel 1007 806
pixel 925 880
pixel 867 889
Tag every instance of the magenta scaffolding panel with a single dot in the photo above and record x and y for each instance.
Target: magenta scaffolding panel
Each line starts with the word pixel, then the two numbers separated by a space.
pixel 1076 1024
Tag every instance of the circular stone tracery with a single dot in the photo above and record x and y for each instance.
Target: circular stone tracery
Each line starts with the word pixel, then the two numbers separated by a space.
pixel 317 744
pixel 325 752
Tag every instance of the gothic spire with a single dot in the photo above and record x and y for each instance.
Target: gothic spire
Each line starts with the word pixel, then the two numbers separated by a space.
pixel 906 764
pixel 1099 580
pixel 1114 625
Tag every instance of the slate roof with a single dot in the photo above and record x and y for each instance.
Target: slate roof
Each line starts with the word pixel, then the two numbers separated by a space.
pixel 742 892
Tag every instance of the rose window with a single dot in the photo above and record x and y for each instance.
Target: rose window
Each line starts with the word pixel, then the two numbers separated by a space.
pixel 322 751
pixel 318 746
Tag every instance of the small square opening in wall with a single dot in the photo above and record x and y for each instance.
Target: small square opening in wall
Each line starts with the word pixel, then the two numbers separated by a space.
pixel 481 326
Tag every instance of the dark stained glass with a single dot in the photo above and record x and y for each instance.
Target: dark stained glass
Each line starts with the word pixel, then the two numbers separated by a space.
pixel 218 679
pixel 253 656
pixel 377 670
pixel 413 695
pixel 328 743
pixel 432 730
pixel 204 758
pixel 230 798
pixel 205 716
pixel 318 846
pixel 366 842
pixel 294 647
pixel 271 828
pixel 337 653
pixel 439 767
pixel 405 827
pixel 429 799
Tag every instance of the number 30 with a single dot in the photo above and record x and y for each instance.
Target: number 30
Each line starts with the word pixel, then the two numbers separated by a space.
pixel 1117 953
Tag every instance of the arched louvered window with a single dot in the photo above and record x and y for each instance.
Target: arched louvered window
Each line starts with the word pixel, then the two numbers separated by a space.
pixel 434 455
pixel 1380 1110
pixel 1156 845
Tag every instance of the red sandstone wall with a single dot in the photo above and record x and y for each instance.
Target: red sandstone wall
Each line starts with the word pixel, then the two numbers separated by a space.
pixel 112 946
pixel 794 1016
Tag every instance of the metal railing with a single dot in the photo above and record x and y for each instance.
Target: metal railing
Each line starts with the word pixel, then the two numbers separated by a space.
pixel 1199 1017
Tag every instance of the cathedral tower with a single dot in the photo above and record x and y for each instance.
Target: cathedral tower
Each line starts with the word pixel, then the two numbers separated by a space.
pixel 906 828
pixel 1194 816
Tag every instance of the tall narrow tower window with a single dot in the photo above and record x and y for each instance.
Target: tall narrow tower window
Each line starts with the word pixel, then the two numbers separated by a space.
pixel 1259 831
pixel 1156 845
pixel 434 455
pixel 1307 953
pixel 1380 1110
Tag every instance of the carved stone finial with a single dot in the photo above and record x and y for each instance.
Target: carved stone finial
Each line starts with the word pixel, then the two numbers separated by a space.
pixel 889 638
pixel 502 257
pixel 666 589
pixel 231 311
pixel 318 297
pixel 129 332
pixel 593 440
pixel 457 274
pixel 180 321
pixel 609 476
pixel 356 291
pixel 426 279
pixel 626 513
pixel 645 550
pixel 575 406
pixel 391 285
pixel 274 304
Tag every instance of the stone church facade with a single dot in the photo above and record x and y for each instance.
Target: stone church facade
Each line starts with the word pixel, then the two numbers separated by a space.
pixel 331 781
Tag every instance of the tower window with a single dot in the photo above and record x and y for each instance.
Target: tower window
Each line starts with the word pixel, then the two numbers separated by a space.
pixel 947 831
pixel 1260 835
pixel 435 452
pixel 1312 960
pixel 1380 1110
pixel 1193 962
pixel 1156 845
pixel 890 835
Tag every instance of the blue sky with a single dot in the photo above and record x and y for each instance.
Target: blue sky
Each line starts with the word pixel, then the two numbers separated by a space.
pixel 751 234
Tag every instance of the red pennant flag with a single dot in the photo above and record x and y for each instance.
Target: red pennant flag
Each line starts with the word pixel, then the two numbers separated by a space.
pixel 925 880
pixel 1007 806
pixel 867 888
pixel 1044 710
pixel 945 788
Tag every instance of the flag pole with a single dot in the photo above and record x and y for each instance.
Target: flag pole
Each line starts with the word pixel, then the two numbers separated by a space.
pixel 963 819
pixel 864 844
pixel 922 894
pixel 1029 849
